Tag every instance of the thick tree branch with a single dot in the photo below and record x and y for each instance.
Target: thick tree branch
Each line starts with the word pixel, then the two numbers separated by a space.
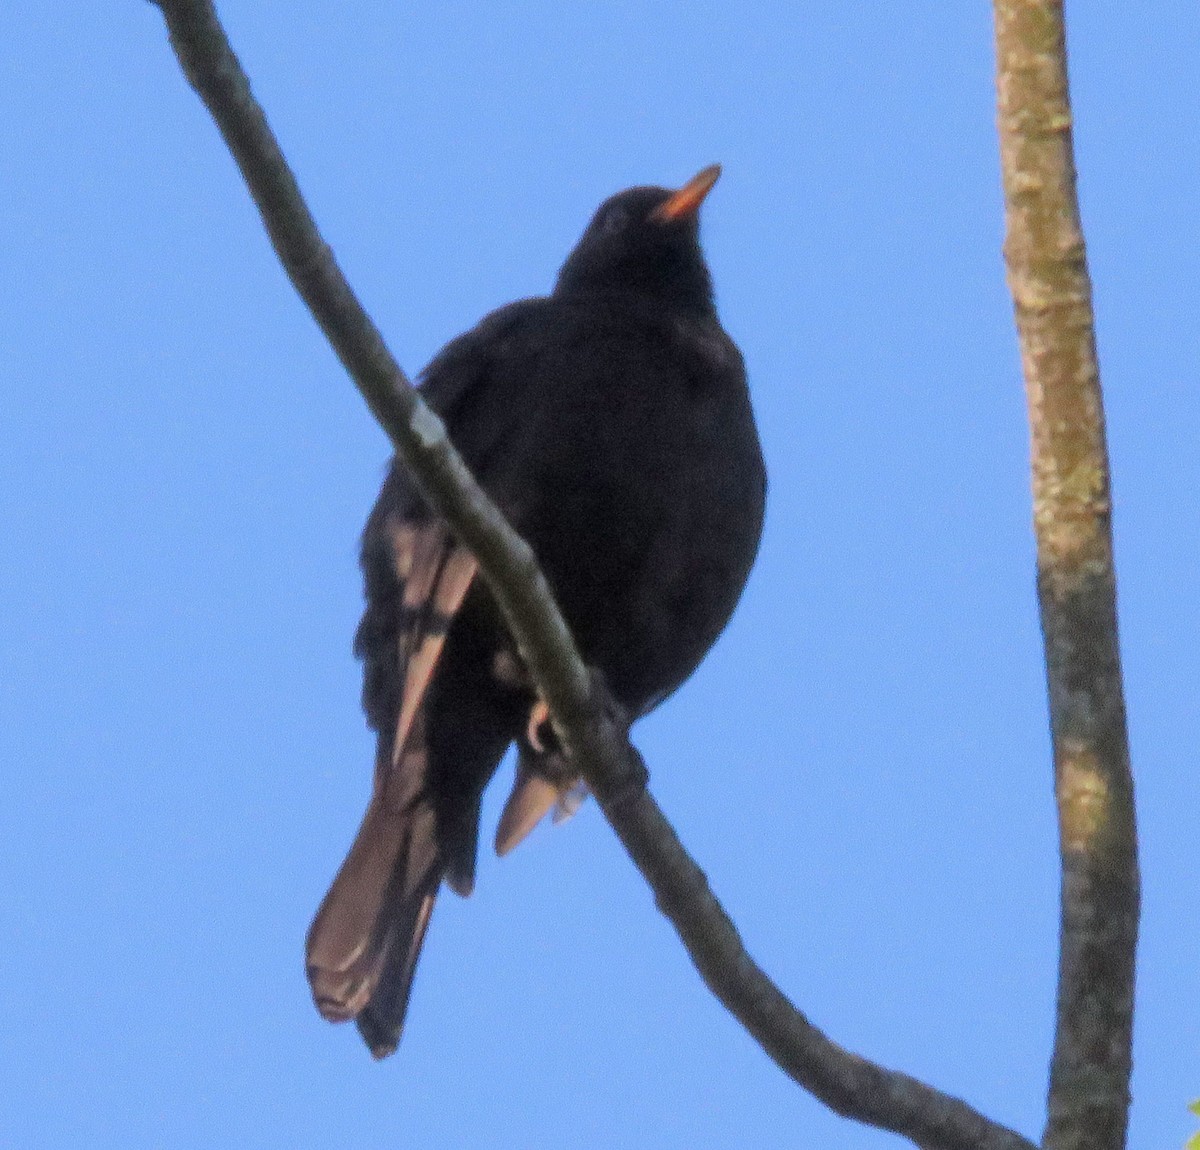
pixel 1047 272
pixel 583 716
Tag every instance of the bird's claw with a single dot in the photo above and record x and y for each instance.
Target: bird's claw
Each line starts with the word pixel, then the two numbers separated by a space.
pixel 539 715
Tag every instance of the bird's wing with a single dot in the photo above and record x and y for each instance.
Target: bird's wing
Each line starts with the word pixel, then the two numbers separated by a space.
pixel 435 573
pixel 366 937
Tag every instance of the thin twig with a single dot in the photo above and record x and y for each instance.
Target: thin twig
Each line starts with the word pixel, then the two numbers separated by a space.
pixel 849 1084
pixel 1047 272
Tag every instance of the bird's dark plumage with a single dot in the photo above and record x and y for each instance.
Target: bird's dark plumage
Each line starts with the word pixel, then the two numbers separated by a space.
pixel 611 423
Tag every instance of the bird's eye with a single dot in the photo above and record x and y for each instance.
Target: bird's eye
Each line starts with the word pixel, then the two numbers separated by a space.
pixel 615 220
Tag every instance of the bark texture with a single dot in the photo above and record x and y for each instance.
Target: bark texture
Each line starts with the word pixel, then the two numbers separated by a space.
pixel 1072 511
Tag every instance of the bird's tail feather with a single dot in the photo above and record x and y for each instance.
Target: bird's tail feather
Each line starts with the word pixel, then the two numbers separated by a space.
pixel 366 938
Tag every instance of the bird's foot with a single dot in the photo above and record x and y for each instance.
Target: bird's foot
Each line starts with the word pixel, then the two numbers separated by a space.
pixel 538 731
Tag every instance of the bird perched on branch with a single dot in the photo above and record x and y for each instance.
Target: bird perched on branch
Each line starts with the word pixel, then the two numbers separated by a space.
pixel 611 423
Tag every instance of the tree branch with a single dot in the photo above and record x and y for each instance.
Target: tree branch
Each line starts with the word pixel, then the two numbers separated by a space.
pixel 583 715
pixel 1048 276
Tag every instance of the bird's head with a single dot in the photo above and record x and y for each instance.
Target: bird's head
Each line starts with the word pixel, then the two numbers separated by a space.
pixel 645 241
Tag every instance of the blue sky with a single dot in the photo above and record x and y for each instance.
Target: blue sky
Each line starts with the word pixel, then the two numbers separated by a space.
pixel 861 766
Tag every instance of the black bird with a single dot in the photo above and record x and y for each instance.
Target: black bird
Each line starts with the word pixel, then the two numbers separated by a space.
pixel 611 423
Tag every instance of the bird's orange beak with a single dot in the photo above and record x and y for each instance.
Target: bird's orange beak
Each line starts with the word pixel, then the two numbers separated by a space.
pixel 687 201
